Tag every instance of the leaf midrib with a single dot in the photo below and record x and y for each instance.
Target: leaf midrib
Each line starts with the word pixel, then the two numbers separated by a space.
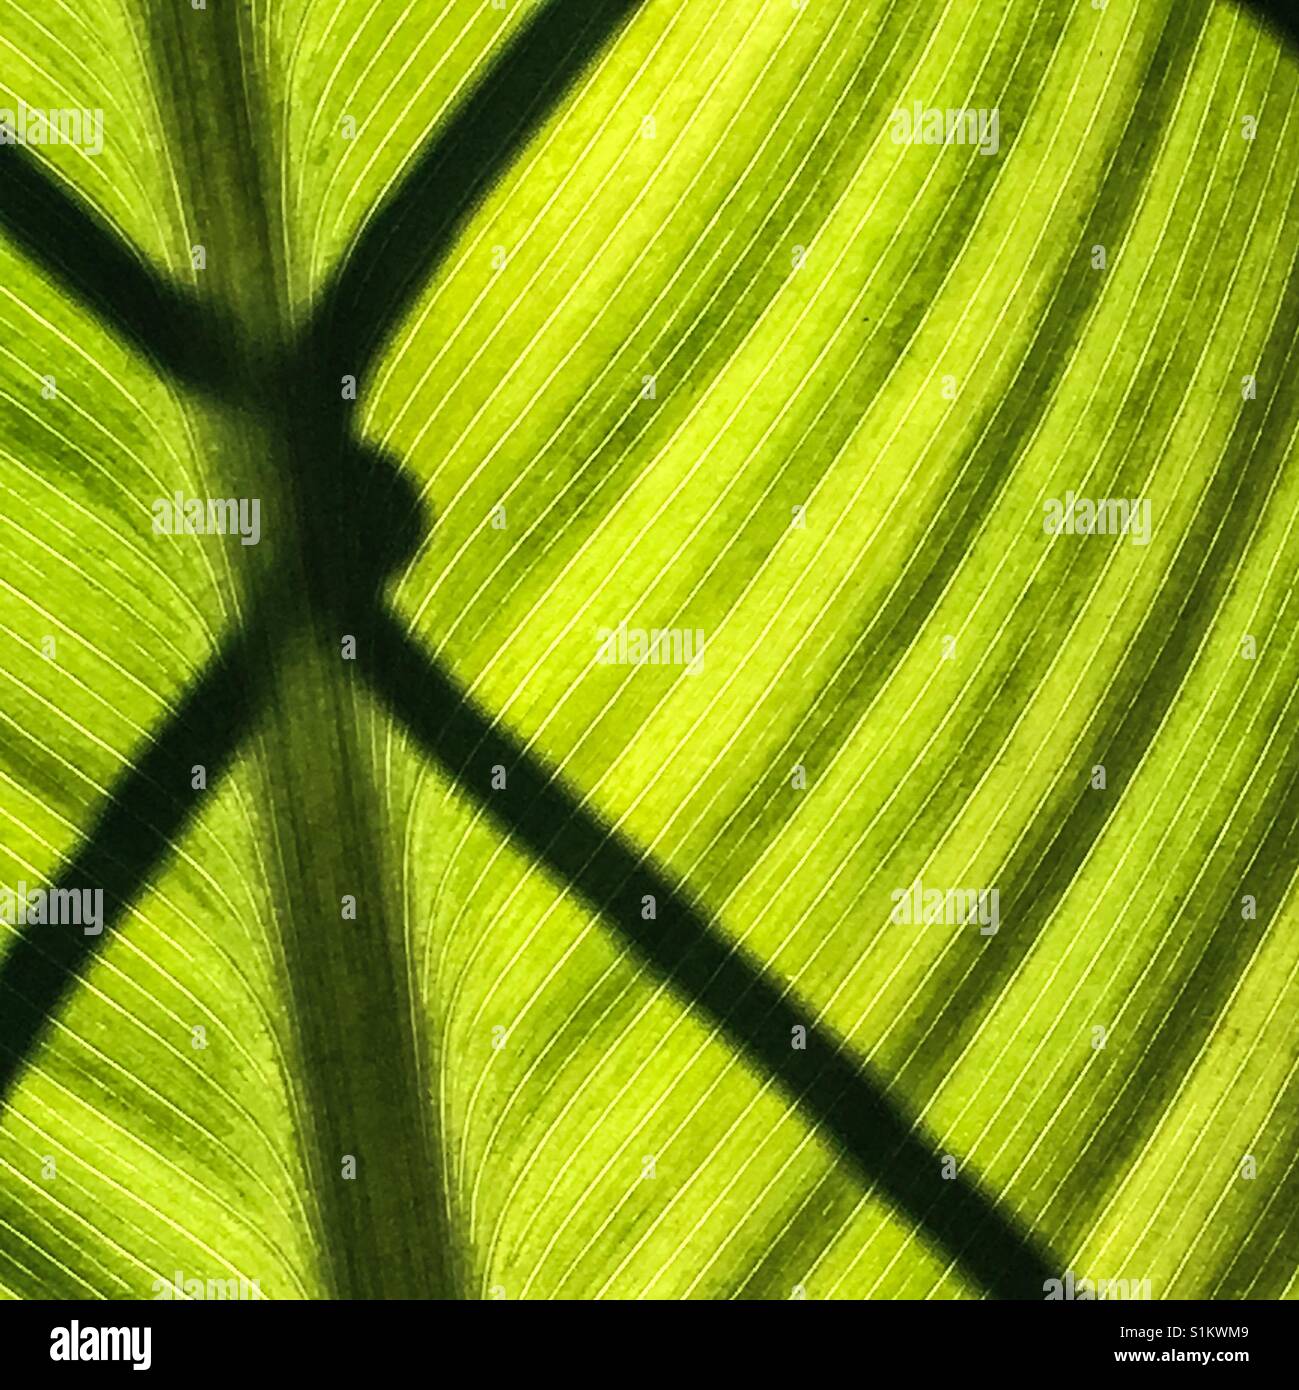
pixel 360 1088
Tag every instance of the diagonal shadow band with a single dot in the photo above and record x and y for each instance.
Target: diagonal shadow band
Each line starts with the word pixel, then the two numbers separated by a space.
pixel 415 227
pixel 141 820
pixel 74 244
pixel 539 813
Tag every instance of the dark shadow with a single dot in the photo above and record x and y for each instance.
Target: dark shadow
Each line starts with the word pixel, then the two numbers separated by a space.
pixel 359 518
pixel 538 812
pixel 357 510
pixel 1281 16
pixel 147 809
pixel 74 245
pixel 413 229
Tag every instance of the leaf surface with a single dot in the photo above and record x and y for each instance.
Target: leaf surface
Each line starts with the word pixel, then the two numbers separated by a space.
pixel 654 325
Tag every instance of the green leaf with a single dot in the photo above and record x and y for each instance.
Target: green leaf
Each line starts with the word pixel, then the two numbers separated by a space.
pixel 452 948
